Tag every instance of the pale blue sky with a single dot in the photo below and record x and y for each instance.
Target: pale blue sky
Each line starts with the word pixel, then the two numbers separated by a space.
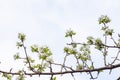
pixel 45 22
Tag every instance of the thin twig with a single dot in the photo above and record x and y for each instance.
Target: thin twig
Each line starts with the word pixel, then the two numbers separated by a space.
pixel 63 66
pixel 51 70
pixel 114 41
pixel 64 62
pixel 27 57
pixel 115 58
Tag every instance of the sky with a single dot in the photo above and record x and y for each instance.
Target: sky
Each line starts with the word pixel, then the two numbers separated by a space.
pixel 45 22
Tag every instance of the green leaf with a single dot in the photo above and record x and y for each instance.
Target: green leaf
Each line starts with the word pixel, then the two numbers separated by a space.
pixel 21 36
pixel 7 76
pixel 31 60
pixel 118 44
pixel 21 75
pixel 34 48
pixel 109 32
pixel 54 78
pixel 43 57
pixel 104 19
pixel 19 44
pixel 84 55
pixel 79 67
pixel 16 56
pixel 98 44
pixel 44 52
pixel 90 40
pixel 91 67
pixel 66 49
pixel 104 28
pixel 70 50
pixel 39 67
pixel 85 49
pixel 73 51
pixel 69 33
pixel 98 41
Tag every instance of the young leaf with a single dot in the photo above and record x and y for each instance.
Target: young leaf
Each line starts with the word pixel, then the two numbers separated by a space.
pixel 90 40
pixel 34 48
pixel 21 36
pixel 104 19
pixel 16 56
pixel 54 78
pixel 70 33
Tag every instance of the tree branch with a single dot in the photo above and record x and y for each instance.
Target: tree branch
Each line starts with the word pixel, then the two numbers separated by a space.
pixel 65 72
